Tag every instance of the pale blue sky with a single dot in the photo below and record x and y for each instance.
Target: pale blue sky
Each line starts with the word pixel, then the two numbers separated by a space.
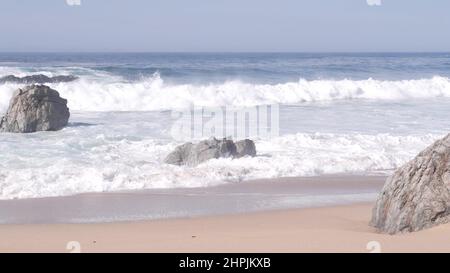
pixel 224 25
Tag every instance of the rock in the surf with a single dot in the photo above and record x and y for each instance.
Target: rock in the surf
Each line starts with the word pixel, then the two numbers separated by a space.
pixel 180 155
pixel 245 148
pixel 416 196
pixel 194 154
pixel 35 108
pixel 37 79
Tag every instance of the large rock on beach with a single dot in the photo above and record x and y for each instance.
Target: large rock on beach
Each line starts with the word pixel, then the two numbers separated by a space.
pixel 416 196
pixel 35 108
pixel 37 79
pixel 194 154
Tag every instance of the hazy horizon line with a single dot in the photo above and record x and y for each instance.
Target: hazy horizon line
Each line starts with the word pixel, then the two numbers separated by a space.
pixel 228 52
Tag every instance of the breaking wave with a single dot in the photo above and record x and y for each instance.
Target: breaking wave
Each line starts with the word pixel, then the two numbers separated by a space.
pixel 153 93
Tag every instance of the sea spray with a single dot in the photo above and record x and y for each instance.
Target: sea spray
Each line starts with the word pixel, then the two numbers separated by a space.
pixel 153 93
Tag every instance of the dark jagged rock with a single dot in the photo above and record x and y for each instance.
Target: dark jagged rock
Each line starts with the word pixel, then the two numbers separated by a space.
pixel 37 79
pixel 192 155
pixel 416 196
pixel 35 108
pixel 245 148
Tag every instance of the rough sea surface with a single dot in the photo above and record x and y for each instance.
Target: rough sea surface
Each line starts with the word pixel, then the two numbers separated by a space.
pixel 338 114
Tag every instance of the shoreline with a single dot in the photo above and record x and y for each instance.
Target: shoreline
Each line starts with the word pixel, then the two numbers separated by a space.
pixel 325 229
pixel 227 199
pixel 292 215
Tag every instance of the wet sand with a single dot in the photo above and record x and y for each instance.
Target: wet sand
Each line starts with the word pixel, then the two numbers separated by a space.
pixel 231 198
pixel 322 214
pixel 326 229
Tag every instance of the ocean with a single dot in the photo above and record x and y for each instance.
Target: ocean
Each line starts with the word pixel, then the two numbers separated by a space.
pixel 338 114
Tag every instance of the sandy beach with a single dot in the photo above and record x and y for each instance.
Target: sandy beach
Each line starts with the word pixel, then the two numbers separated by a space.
pixel 330 229
pixel 317 214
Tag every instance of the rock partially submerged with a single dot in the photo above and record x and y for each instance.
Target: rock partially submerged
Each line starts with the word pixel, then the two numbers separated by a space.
pixel 192 155
pixel 417 196
pixel 35 108
pixel 245 148
pixel 37 79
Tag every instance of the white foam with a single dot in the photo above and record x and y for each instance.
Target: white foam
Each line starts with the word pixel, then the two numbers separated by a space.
pixel 116 155
pixel 77 163
pixel 109 93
